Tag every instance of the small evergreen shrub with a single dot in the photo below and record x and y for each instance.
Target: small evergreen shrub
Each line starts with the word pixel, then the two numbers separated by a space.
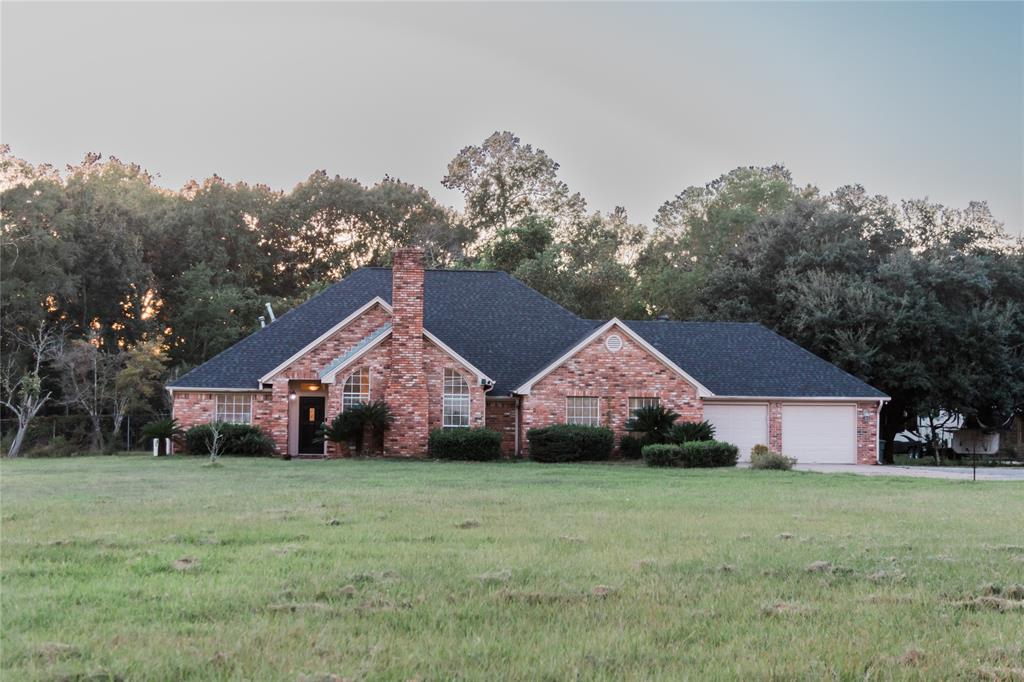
pixel 465 444
pixel 691 455
pixel 238 439
pixel 684 432
pixel 630 447
pixel 661 455
pixel 763 457
pixel 58 446
pixel 570 443
pixel 709 453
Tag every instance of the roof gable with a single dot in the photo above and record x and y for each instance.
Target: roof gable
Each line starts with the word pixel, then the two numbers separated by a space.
pixel 524 388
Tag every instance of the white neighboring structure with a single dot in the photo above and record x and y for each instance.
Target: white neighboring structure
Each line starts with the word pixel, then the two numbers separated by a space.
pixel 975 442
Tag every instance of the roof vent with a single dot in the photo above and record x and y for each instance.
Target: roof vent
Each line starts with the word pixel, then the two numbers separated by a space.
pixel 662 318
pixel 613 343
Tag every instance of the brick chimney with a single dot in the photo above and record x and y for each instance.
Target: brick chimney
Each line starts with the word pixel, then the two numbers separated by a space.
pixel 407 385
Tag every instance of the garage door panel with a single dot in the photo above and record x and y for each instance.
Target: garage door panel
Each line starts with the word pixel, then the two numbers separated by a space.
pixel 742 425
pixel 820 434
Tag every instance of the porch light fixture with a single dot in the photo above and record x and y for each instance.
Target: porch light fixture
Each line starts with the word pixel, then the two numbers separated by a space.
pixel 313 387
pixel 291 396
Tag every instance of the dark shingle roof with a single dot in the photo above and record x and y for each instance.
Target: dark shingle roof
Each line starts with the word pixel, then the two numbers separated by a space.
pixel 748 359
pixel 511 332
pixel 505 328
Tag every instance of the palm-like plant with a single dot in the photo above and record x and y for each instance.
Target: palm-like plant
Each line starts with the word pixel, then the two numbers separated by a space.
pixel 653 421
pixel 378 418
pixel 161 430
pixel 346 427
pixel 350 425
pixel 688 431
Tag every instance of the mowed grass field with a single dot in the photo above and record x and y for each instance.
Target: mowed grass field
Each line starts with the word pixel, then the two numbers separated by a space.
pixel 158 569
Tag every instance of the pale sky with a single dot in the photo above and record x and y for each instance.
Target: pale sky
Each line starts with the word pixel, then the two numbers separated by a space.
pixel 635 101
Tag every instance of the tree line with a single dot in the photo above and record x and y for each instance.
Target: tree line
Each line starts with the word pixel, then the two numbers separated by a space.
pixel 135 281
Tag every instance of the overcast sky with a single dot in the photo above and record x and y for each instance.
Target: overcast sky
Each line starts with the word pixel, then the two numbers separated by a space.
pixel 635 101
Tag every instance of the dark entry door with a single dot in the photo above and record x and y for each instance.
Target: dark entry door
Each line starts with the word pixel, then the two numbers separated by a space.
pixel 311 416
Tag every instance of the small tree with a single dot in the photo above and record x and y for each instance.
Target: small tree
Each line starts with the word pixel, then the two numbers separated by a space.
pixel 87 381
pixel 138 381
pixel 21 386
pixel 215 441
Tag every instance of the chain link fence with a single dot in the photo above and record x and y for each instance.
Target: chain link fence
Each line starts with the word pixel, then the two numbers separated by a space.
pixel 65 434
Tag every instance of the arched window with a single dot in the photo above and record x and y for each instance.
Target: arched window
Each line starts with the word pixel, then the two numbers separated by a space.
pixel 456 401
pixel 356 389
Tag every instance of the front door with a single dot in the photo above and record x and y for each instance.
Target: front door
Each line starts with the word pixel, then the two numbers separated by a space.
pixel 311 416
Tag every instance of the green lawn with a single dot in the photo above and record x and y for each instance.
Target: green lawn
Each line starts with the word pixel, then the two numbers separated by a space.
pixel 139 568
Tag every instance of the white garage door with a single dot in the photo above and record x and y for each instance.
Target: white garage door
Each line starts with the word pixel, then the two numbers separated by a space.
pixel 820 434
pixel 742 425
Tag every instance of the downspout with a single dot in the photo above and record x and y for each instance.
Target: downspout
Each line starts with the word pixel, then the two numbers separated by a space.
pixel 878 432
pixel 515 447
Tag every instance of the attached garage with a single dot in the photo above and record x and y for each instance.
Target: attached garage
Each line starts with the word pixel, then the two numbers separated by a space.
pixel 744 425
pixel 820 434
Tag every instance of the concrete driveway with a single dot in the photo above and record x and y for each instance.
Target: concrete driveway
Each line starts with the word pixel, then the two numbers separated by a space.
pixel 955 473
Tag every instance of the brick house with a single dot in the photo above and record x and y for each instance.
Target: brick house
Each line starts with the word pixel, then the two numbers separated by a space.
pixel 467 348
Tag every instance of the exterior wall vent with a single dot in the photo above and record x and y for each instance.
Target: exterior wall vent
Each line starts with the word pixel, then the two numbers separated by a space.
pixel 613 343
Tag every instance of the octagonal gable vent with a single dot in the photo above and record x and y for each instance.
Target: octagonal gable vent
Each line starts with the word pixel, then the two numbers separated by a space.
pixel 613 343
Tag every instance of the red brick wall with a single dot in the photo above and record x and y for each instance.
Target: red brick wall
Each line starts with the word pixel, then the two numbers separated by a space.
pixel 501 416
pixel 867 433
pixel 307 367
pixel 594 371
pixel 435 361
pixel 200 407
pixel 407 388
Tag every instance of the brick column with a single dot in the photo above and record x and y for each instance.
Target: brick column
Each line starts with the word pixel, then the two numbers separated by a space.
pixel 867 433
pixel 407 387
pixel 775 426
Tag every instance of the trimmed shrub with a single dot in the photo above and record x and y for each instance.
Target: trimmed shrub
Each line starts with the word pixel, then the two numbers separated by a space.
pixel 570 443
pixel 684 432
pixel 239 439
pixel 709 453
pixel 692 455
pixel 762 457
pixel 630 447
pixel 479 444
pixel 661 455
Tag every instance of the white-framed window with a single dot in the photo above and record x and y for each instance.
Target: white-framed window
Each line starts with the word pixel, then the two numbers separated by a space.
pixel 234 408
pixel 455 407
pixel 356 389
pixel 583 410
pixel 636 403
